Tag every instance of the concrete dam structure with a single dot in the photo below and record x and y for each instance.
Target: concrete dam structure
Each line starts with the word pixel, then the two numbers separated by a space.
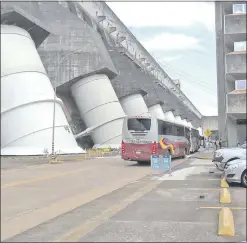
pixel 73 48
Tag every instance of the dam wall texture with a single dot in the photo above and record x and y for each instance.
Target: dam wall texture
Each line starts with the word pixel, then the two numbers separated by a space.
pixel 63 47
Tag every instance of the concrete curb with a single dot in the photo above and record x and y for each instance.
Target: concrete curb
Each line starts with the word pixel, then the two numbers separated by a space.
pixel 226 223
pixel 225 196
pixel 223 183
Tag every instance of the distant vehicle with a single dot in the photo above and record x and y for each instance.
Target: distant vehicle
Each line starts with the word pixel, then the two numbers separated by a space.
pixel 146 135
pixel 223 156
pixel 235 171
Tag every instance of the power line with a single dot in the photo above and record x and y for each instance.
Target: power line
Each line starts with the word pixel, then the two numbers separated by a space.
pixel 181 72
pixel 187 76
pixel 196 83
pixel 203 88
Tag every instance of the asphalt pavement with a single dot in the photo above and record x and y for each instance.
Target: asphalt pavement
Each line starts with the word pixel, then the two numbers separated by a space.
pixel 155 207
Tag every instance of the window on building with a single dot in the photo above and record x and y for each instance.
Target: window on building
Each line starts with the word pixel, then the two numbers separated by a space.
pixel 239 8
pixel 240 46
pixel 240 84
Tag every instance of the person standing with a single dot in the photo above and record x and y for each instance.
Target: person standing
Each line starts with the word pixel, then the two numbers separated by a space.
pixel 216 144
pixel 220 143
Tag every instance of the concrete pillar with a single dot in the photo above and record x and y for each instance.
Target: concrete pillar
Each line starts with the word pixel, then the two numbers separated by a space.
pixel 134 105
pixel 168 116
pixel 241 133
pixel 99 106
pixel 27 99
pixel 232 133
pixel 156 111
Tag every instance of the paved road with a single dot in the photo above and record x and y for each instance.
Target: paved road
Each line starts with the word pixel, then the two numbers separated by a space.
pixel 111 200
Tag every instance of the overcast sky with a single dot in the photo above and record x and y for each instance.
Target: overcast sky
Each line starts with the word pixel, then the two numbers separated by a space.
pixel 181 37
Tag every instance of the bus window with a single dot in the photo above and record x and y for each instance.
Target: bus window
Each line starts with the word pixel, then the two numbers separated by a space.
pixel 160 127
pixel 178 131
pixel 164 128
pixel 139 124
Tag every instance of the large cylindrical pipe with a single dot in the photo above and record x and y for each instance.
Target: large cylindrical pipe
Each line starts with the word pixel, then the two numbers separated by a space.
pixel 99 107
pixel 169 116
pixel 156 111
pixel 178 120
pixel 27 100
pixel 184 122
pixel 190 125
pixel 134 105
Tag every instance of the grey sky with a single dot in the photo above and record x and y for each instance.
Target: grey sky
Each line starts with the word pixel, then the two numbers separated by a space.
pixel 181 37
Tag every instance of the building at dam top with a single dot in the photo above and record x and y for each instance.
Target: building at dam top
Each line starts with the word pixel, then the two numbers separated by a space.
pixel 100 72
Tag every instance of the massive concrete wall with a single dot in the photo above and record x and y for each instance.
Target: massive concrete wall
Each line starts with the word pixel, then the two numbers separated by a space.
pixel 70 45
pixel 74 49
pixel 82 56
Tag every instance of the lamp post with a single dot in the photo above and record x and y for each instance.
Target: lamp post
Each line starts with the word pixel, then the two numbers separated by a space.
pixel 54 103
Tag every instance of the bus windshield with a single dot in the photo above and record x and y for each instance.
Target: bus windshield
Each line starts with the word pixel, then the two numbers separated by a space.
pixel 139 124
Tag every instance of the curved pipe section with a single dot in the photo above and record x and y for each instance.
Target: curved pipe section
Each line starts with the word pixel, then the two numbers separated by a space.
pixel 190 125
pixel 156 111
pixel 134 105
pixel 169 116
pixel 27 100
pixel 184 122
pixel 178 120
pixel 98 104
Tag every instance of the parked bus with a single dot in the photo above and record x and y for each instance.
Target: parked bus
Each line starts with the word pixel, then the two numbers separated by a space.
pixel 146 135
pixel 195 142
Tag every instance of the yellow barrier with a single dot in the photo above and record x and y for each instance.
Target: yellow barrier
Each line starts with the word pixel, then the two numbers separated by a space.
pixel 223 183
pixel 225 196
pixel 226 223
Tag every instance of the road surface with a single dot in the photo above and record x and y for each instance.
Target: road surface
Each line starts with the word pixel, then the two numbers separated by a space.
pixel 111 200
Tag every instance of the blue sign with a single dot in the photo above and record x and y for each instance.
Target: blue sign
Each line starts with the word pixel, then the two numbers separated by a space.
pixel 166 162
pixel 161 162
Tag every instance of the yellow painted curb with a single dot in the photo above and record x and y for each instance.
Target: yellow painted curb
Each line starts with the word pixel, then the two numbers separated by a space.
pixel 225 196
pixel 226 223
pixel 223 183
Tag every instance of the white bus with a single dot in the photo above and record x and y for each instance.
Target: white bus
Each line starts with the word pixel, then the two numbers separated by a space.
pixel 143 136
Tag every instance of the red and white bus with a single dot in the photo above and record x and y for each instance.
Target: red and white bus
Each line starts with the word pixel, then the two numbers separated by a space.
pixel 143 136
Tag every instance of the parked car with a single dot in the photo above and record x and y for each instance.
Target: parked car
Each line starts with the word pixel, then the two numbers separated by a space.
pixel 235 171
pixel 223 156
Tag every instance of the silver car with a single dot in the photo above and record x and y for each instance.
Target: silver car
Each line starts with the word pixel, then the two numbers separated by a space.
pixel 235 171
pixel 223 156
